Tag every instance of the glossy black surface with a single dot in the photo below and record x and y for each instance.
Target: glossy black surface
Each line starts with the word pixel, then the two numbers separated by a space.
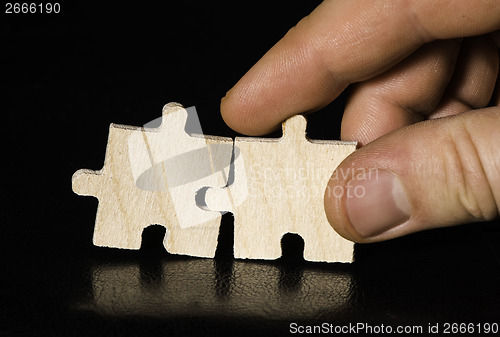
pixel 67 77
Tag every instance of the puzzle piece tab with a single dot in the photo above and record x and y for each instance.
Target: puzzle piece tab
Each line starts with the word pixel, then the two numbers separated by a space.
pixel 278 188
pixel 151 176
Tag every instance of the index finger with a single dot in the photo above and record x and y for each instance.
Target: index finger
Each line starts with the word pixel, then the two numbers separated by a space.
pixel 339 43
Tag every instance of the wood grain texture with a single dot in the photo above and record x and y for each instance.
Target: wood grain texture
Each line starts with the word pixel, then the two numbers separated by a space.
pixel 279 188
pixel 165 176
pixel 133 187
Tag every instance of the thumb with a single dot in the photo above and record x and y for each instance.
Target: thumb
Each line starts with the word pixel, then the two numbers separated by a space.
pixel 437 173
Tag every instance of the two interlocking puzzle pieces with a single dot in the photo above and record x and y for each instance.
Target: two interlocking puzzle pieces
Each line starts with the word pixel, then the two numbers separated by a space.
pixel 165 176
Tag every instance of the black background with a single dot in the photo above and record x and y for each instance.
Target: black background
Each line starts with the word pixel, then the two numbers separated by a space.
pixel 67 76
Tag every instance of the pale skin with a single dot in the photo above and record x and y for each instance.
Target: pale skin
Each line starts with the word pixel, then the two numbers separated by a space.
pixel 420 75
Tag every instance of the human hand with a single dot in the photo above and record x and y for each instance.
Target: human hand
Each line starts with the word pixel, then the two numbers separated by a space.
pixel 407 63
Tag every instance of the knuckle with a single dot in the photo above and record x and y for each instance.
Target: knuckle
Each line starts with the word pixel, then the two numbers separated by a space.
pixel 468 169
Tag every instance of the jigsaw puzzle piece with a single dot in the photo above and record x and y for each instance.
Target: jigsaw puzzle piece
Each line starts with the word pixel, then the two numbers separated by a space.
pixel 180 162
pixel 284 181
pixel 142 184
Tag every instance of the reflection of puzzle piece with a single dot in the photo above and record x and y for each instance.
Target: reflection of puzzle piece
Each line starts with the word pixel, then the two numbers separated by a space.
pixel 286 180
pixel 151 177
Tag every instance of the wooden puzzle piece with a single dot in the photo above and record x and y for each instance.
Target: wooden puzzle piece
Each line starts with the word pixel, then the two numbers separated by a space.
pixel 279 188
pixel 151 176
pixel 168 177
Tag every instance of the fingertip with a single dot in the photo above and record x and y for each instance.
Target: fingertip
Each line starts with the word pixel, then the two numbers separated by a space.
pixel 366 200
pixel 242 113
pixel 227 112
pixel 418 178
pixel 336 211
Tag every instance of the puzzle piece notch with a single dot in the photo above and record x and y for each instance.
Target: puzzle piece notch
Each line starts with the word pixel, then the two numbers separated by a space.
pixel 285 180
pixel 124 210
